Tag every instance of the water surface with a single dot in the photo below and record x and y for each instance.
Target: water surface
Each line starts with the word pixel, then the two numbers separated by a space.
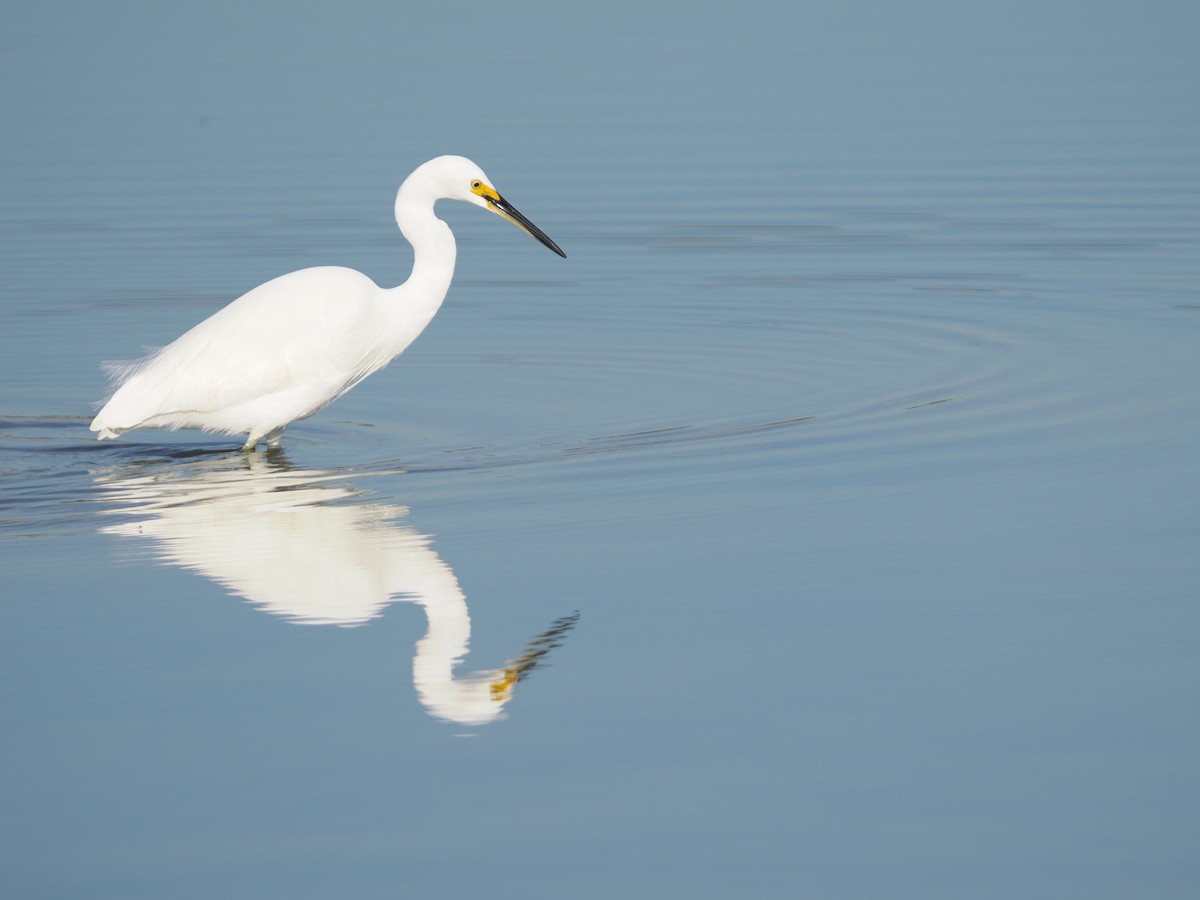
pixel 825 525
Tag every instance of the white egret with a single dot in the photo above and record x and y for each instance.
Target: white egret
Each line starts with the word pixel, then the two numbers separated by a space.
pixel 290 347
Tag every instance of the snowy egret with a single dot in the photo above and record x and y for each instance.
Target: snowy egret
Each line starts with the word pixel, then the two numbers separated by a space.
pixel 290 347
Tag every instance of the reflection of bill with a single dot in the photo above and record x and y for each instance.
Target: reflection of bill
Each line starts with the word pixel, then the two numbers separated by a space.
pixel 303 545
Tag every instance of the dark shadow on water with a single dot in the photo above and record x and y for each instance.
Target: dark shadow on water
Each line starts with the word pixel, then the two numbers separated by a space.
pixel 41 434
pixel 49 465
pixel 487 457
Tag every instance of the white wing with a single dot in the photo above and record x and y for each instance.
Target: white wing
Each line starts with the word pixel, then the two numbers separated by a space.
pixel 283 351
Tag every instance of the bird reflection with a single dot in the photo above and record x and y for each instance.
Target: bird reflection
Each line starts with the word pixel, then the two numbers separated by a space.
pixel 304 545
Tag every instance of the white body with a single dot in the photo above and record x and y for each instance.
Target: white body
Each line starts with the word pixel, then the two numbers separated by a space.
pixel 277 354
pixel 291 346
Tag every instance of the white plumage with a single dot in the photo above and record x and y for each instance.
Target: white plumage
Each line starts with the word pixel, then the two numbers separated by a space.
pixel 288 348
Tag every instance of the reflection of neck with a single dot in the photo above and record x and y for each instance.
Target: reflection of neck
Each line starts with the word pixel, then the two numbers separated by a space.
pixel 445 641
pixel 466 699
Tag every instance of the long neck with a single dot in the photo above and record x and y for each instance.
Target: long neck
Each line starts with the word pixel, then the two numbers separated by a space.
pixel 433 245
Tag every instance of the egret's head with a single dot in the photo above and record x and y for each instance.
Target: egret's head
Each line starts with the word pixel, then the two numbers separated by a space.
pixel 457 178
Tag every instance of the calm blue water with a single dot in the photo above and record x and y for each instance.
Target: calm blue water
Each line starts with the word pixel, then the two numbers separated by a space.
pixel 826 525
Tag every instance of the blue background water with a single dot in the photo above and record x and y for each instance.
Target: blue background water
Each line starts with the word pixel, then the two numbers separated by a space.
pixel 859 426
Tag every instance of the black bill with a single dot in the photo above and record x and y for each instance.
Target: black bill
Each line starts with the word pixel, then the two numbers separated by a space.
pixel 502 207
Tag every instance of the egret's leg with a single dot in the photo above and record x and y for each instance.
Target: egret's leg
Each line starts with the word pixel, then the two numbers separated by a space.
pixel 274 438
pixel 251 443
